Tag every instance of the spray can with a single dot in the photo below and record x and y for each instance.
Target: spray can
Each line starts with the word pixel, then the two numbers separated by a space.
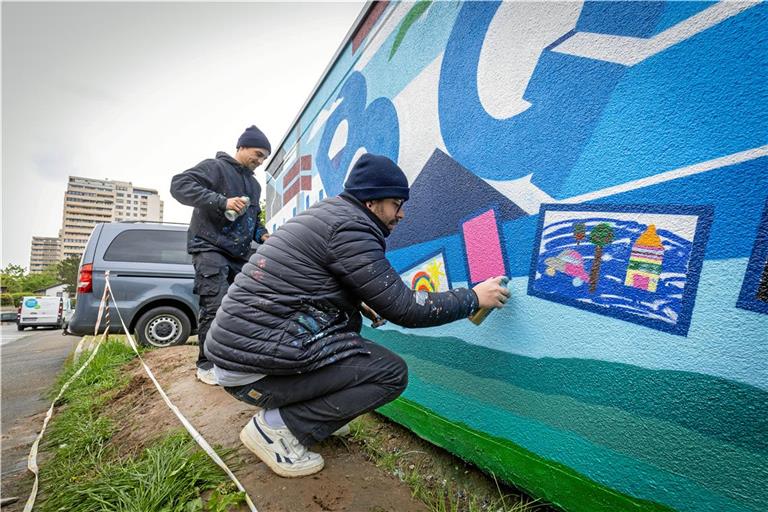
pixel 231 215
pixel 481 314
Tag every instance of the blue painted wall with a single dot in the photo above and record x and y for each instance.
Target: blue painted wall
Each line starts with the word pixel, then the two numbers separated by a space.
pixel 549 114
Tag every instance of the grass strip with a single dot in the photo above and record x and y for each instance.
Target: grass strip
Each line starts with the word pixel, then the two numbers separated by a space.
pixel 433 483
pixel 85 473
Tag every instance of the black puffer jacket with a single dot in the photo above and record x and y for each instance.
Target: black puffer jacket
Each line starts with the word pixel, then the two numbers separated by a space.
pixel 294 307
pixel 207 186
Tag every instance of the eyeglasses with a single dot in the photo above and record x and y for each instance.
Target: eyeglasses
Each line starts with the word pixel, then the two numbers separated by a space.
pixel 398 204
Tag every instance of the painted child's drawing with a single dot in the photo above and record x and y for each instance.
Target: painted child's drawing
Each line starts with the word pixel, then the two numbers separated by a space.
pixel 636 263
pixel 428 276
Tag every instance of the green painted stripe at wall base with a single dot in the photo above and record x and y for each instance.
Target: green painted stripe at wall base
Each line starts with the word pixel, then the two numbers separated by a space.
pixel 709 464
pixel 544 479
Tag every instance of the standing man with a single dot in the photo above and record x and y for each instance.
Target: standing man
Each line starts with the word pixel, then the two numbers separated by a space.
pixel 219 246
pixel 287 337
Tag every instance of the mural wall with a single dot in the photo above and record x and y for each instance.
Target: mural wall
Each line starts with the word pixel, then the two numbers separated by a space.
pixel 611 158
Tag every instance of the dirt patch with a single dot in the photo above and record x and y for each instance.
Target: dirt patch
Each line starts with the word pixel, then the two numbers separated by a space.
pixel 348 482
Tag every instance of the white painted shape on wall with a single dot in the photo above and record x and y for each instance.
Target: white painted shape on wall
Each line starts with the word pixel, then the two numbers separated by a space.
pixel 417 113
pixel 523 193
pixel 321 119
pixel 633 50
pixel 529 197
pixel 682 172
pixel 516 36
pixel 339 139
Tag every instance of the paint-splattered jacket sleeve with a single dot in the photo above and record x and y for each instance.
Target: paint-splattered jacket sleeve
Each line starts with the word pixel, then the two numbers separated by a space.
pixel 357 259
pixel 197 187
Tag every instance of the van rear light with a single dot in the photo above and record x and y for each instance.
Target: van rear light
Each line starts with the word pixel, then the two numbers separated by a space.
pixel 61 309
pixel 85 279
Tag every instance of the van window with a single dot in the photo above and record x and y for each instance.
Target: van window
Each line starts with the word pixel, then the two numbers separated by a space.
pixel 149 246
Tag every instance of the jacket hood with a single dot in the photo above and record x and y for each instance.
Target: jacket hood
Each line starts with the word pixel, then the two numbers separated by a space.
pixel 221 155
pixel 347 196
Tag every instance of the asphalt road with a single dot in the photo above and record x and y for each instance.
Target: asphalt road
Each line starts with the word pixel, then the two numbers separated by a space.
pixel 29 361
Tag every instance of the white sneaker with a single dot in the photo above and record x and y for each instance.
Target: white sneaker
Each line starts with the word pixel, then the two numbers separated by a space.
pixel 279 449
pixel 207 376
pixel 343 431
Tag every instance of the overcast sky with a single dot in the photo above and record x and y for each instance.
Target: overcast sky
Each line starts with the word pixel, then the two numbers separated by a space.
pixel 141 91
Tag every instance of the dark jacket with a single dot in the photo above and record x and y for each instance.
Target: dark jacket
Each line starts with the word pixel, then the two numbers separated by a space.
pixel 295 305
pixel 207 186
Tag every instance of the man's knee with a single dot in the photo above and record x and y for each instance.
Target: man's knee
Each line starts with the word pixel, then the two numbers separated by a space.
pixel 398 373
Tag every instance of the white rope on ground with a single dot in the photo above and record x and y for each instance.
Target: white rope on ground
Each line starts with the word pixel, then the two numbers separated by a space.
pixel 32 458
pixel 79 349
pixel 184 421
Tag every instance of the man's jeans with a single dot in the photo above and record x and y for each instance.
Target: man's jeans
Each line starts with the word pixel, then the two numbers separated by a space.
pixel 214 272
pixel 315 404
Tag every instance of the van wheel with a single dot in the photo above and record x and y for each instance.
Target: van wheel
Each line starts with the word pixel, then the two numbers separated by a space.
pixel 19 327
pixel 163 327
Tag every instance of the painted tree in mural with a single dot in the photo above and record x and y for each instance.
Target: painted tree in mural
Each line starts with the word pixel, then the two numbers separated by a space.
pixel 601 236
pixel 579 232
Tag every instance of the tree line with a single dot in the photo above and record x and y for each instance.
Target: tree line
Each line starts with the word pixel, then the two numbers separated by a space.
pixel 17 282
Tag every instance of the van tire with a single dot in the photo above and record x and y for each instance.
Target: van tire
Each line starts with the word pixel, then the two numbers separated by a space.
pixel 19 327
pixel 163 326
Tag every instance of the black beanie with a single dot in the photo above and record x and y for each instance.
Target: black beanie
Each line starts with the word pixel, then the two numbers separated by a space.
pixel 376 177
pixel 252 137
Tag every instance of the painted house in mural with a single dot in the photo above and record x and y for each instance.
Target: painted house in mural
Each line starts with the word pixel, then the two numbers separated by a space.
pixel 611 158
pixel 645 261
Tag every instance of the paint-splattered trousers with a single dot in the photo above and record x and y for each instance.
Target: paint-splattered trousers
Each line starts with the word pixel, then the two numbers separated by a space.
pixel 214 272
pixel 315 404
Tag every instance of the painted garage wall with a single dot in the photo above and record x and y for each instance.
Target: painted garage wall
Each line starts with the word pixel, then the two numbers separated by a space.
pixel 611 158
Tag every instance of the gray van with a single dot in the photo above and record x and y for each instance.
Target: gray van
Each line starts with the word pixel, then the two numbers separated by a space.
pixel 151 276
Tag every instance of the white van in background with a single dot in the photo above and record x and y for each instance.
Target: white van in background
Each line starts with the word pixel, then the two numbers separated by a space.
pixel 44 312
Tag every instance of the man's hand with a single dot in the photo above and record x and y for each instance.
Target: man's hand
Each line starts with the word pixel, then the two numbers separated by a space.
pixel 264 237
pixel 491 294
pixel 376 320
pixel 236 203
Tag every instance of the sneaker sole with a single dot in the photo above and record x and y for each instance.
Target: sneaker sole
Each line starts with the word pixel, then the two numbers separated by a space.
pixel 267 457
pixel 207 381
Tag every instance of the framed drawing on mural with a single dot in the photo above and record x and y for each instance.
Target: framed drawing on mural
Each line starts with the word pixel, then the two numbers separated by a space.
pixel 429 274
pixel 754 289
pixel 637 263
